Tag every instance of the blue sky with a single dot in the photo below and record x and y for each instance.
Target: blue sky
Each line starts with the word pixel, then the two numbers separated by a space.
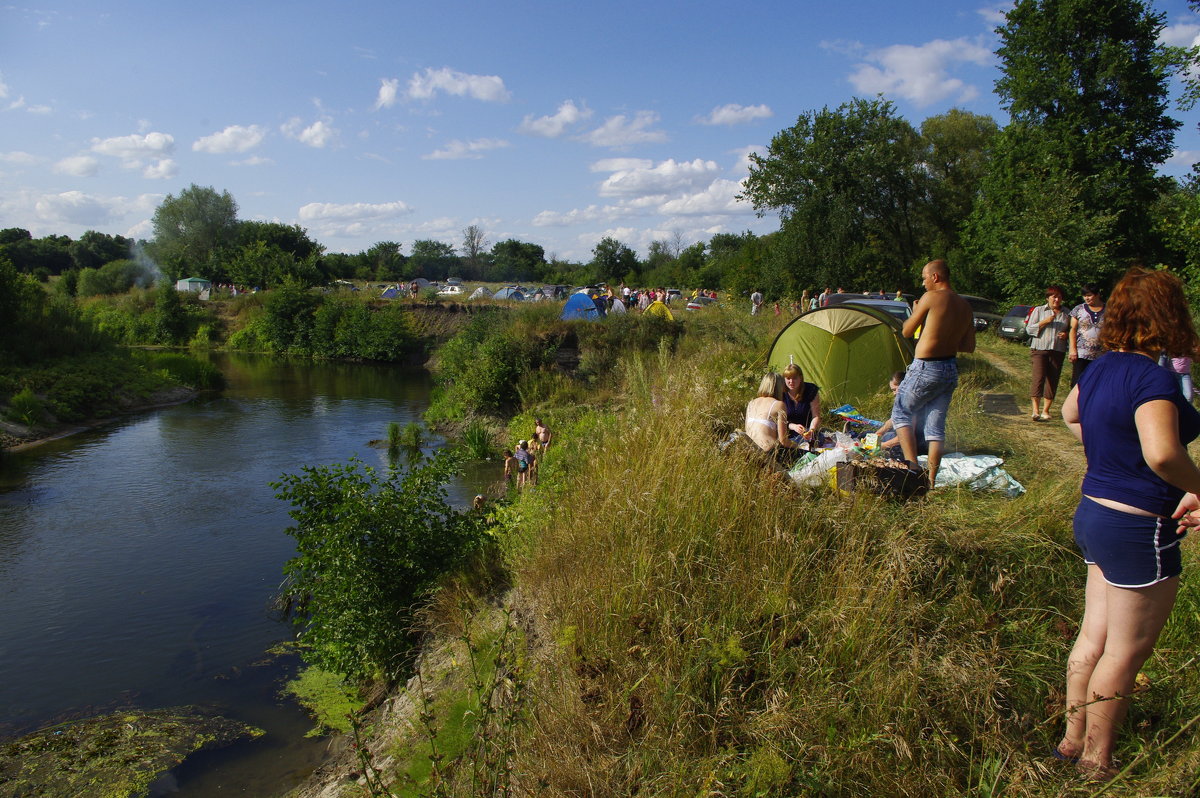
pixel 551 122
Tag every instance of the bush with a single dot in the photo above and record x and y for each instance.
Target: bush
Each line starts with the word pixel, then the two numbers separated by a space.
pixel 186 369
pixel 370 547
pixel 25 408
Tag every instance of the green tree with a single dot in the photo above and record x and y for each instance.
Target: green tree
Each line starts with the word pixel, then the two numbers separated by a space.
pixel 370 547
pixel 290 238
pixel 433 260
pixel 385 261
pixel 852 192
pixel 515 260
pixel 92 250
pixel 170 320
pixel 612 260
pixel 955 156
pixel 473 251
pixel 192 230
pixel 114 277
pixel 1085 84
pixel 1052 238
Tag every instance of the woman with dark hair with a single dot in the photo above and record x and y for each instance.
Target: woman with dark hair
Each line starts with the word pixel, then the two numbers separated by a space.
pixel 1128 412
pixel 1047 325
pixel 803 402
pixel 1084 336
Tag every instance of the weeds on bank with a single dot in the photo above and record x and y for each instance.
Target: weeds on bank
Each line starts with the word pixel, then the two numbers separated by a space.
pixel 717 632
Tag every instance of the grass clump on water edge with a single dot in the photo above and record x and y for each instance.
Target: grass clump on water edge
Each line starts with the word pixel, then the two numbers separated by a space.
pixel 328 697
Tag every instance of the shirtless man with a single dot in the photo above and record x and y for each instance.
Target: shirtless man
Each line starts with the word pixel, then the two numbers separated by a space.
pixel 948 327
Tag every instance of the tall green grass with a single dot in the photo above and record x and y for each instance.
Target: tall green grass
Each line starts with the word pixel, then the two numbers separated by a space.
pixel 707 629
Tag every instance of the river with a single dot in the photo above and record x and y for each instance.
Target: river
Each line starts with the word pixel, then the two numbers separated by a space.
pixel 138 561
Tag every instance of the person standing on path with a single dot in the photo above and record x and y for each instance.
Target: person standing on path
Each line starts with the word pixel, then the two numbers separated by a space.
pixel 756 302
pixel 1049 327
pixel 947 328
pixel 1084 336
pixel 1135 427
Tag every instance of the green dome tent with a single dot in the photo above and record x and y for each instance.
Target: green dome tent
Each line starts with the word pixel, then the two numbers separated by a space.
pixel 849 351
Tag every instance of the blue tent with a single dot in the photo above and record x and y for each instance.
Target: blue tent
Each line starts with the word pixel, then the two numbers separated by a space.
pixel 391 292
pixel 580 306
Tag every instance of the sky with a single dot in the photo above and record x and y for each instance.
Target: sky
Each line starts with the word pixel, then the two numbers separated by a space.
pixel 556 123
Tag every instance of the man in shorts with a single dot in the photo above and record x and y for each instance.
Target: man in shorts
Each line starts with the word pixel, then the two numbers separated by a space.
pixel 947 328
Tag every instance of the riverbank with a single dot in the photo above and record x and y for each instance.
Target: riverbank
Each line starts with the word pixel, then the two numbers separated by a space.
pixel 16 437
pixel 703 628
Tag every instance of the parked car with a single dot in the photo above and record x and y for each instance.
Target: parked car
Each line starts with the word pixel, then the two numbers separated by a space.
pixel 1012 326
pixel 900 310
pixel 985 310
pixel 451 290
pixel 699 302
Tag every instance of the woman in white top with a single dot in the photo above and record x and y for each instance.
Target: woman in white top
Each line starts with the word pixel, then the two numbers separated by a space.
pixel 766 415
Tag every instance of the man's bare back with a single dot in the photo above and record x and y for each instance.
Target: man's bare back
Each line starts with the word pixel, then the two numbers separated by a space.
pixel 946 320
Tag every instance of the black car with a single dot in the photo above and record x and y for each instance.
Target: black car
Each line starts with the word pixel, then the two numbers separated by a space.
pixel 1012 326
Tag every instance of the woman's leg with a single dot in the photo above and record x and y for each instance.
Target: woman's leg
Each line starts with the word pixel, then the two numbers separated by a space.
pixel 1136 616
pixel 1054 364
pixel 1088 648
pixel 1037 365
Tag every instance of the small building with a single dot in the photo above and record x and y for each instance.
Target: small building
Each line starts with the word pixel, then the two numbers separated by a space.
pixel 193 285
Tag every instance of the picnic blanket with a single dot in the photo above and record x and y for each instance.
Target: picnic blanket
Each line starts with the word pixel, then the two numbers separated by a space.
pixel 975 471
pixel 851 414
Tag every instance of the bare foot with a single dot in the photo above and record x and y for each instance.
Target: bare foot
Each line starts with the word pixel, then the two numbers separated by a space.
pixel 1094 771
pixel 1067 752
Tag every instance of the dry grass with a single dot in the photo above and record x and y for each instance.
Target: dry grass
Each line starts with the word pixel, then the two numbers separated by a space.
pixel 704 628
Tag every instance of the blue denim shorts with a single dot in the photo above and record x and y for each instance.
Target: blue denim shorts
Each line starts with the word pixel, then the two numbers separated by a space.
pixel 924 397
pixel 1131 550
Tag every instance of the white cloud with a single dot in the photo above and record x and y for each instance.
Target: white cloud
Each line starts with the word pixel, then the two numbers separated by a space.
pixel 742 166
pixel 489 88
pixel 387 93
pixel 457 150
pixel 718 198
pixel 327 211
pixel 1184 157
pixel 253 160
pixel 3 87
pixel 162 169
pixel 1185 34
pixel 16 104
pixel 995 14
pixel 319 134
pixel 618 164
pixel 567 115
pixel 668 177
pixel 134 150
pixel 19 158
pixel 78 166
pixel 920 74
pixel 39 109
pixel 76 207
pixel 592 213
pixel 235 138
pixel 621 131
pixel 354 219
pixel 733 114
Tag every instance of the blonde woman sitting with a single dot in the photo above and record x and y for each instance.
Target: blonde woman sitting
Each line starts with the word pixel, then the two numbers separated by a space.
pixel 766 418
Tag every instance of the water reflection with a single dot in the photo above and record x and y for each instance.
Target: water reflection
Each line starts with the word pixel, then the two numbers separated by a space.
pixel 138 562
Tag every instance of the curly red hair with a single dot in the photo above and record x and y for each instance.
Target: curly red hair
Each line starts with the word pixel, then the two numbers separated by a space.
pixel 1147 312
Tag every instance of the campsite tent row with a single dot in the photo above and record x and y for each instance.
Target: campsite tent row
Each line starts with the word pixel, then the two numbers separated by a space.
pixel 582 306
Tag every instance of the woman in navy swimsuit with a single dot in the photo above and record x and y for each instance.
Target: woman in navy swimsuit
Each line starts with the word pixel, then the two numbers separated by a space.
pixel 1135 426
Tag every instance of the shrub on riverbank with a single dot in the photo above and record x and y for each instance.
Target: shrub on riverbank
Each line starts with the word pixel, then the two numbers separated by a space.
pixel 370 546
